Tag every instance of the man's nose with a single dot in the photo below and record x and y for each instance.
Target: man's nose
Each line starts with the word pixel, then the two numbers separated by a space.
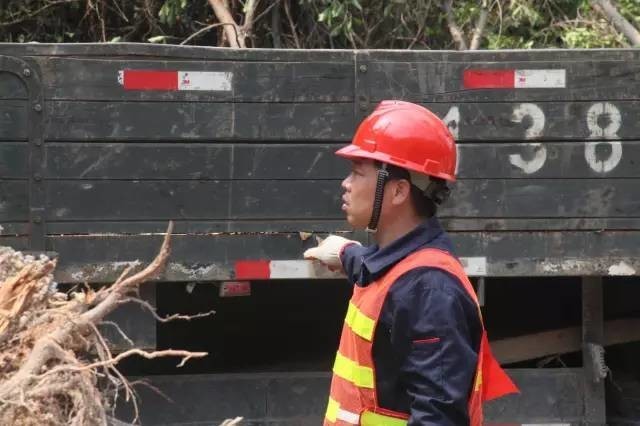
pixel 345 183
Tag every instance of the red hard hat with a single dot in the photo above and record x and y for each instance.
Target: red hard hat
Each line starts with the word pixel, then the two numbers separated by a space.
pixel 408 136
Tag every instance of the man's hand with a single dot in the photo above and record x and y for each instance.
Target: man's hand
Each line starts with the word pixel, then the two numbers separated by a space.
pixel 329 250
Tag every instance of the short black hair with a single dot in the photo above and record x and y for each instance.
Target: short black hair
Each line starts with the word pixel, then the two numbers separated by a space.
pixel 424 206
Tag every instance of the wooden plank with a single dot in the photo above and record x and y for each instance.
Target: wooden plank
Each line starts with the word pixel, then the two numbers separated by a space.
pixel 504 55
pixel 564 253
pixel 16 243
pixel 560 160
pixel 14 201
pixel 14 160
pixel 11 87
pixel 198 121
pixel 306 199
pixel 443 81
pixel 204 161
pixel 329 225
pixel 549 396
pixel 199 53
pixel 541 121
pixel 561 341
pixel 203 227
pixel 100 258
pixel 173 121
pixel 14 228
pixel 193 161
pixel 13 120
pixel 151 51
pixel 143 200
pixel 593 367
pixel 540 224
pixel 78 79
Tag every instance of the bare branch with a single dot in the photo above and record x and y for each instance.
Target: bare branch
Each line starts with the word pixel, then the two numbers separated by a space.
pixel 202 30
pixel 231 28
pixel 249 10
pixel 169 318
pixel 610 11
pixel 275 26
pixel 454 29
pixel 36 12
pixel 480 26
pixel 294 32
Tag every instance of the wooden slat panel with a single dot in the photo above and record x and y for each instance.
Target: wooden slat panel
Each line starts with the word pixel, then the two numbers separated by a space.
pixel 262 199
pixel 194 161
pixel 560 160
pixel 13 160
pixel 199 226
pixel 105 200
pixel 13 120
pixel 211 257
pixel 313 81
pixel 198 121
pixel 11 87
pixel 575 121
pixel 14 201
pixel 197 161
pixel 442 81
pixel 16 243
pixel 325 225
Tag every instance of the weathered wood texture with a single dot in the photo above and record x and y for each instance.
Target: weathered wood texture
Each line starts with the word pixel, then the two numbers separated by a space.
pixel 101 258
pixel 548 397
pixel 258 158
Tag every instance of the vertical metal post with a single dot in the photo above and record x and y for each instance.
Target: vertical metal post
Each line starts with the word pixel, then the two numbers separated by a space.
pixel 593 365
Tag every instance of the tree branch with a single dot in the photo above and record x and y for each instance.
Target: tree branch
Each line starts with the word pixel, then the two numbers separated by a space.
pixel 231 29
pixel 202 30
pixel 291 24
pixel 480 26
pixel 36 12
pixel 610 11
pixel 454 29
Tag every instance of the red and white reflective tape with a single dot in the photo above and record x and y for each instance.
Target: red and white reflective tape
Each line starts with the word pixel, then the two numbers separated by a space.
pixel 306 269
pixel 175 80
pixel 514 79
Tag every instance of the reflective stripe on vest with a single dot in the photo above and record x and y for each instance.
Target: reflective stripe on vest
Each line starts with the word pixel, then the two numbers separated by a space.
pixel 369 418
pixel 334 412
pixel 349 370
pixel 359 323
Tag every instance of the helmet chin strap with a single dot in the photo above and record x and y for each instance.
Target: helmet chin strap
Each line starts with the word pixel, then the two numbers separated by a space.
pixel 383 175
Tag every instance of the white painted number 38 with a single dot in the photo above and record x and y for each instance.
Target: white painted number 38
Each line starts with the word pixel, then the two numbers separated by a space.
pixel 603 121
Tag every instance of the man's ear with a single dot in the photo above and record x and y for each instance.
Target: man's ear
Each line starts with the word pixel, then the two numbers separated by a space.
pixel 401 191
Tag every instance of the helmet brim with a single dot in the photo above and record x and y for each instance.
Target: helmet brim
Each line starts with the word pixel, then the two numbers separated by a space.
pixel 354 152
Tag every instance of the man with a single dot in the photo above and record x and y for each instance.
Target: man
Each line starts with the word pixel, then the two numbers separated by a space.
pixel 413 349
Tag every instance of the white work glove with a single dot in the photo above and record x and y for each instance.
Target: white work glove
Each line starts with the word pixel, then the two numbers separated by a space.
pixel 329 250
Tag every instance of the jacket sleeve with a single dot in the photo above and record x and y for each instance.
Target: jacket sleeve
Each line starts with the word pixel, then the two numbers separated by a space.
pixel 435 323
pixel 351 258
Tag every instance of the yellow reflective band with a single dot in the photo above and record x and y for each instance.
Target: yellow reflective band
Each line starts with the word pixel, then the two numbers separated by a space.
pixel 332 410
pixel 373 419
pixel 359 375
pixel 478 380
pixel 361 324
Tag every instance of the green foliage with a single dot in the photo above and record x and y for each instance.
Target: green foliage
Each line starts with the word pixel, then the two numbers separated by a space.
pixel 372 24
pixel 171 11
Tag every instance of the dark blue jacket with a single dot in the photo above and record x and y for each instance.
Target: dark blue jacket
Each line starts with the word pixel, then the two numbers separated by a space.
pixel 429 379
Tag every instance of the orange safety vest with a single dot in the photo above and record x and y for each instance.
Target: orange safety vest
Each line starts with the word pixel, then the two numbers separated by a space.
pixel 353 398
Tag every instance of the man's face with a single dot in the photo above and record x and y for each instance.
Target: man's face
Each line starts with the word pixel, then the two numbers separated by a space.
pixel 359 191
